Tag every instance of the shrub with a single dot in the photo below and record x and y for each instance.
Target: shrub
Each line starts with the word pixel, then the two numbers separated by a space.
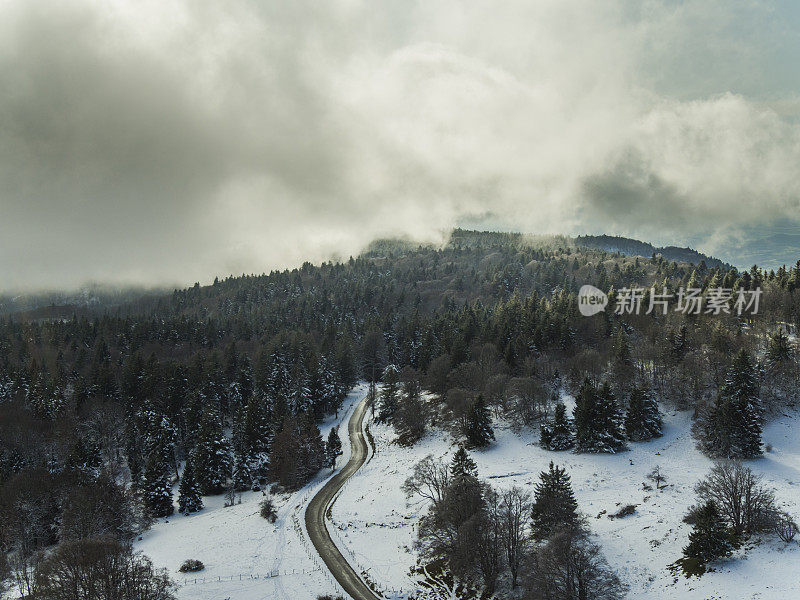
pixel 784 526
pixel 191 565
pixel 625 511
pixel 268 510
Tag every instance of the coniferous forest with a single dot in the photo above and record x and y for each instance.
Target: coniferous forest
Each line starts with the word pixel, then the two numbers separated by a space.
pixel 113 416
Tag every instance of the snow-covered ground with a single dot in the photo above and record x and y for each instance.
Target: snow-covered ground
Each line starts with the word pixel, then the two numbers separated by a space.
pixel 376 525
pixel 246 557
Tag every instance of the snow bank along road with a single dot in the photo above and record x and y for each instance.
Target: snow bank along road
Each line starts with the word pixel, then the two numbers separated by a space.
pixel 319 505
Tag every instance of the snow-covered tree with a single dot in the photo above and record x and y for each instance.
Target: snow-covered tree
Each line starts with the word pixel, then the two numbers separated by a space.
pixel 189 497
pixel 598 421
pixel 643 419
pixel 389 394
pixel 732 426
pixel 298 452
pixel 252 437
pixel 85 459
pixel 554 504
pixel 157 487
pixel 709 538
pixel 558 434
pixel 478 430
pixel 462 465
pixel 333 448
pixel 212 455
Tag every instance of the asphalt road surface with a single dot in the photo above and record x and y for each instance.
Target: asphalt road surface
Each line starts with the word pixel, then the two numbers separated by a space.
pixel 319 505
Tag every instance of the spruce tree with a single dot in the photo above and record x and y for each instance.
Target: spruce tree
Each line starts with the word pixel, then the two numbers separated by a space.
pixel 333 448
pixel 157 487
pixel 409 418
pixel 779 349
pixel 252 437
pixel 298 452
pixel 732 426
pixel 598 421
pixel 462 465
pixel 389 394
pixel 243 477
pixel 710 538
pixel 189 498
pixel 479 431
pixel 643 419
pixel 85 459
pixel 622 363
pixel 211 456
pixel 311 451
pixel 554 503
pixel 558 434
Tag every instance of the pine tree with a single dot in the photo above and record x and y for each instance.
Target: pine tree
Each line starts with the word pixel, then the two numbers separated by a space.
pixel 189 498
pixel 732 427
pixel 479 431
pixel 598 421
pixel 211 456
pixel 462 465
pixel 333 448
pixel 643 419
pixel 554 503
pixel 389 394
pixel 710 538
pixel 558 434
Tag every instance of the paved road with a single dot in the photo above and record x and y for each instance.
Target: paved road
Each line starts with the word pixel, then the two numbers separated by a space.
pixel 319 505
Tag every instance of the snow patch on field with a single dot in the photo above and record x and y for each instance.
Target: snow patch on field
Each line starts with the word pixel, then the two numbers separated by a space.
pixel 377 526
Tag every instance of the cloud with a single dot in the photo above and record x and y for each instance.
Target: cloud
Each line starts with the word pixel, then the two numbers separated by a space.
pixel 171 141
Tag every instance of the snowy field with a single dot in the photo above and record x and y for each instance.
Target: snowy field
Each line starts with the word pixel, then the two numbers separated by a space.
pixel 376 524
pixel 241 550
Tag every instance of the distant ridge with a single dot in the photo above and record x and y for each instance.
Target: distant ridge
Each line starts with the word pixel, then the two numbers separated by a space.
pixel 631 247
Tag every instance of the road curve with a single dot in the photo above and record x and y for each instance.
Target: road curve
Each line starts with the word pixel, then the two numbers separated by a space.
pixel 319 505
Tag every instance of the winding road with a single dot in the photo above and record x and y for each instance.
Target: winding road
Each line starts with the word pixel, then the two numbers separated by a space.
pixel 320 504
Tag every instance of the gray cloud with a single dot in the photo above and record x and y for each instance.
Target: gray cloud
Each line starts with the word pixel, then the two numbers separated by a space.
pixel 171 141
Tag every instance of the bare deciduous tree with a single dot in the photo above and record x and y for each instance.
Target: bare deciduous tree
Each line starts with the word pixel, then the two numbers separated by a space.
pixel 784 526
pixel 570 567
pixel 428 481
pixel 100 569
pixel 514 513
pixel 745 503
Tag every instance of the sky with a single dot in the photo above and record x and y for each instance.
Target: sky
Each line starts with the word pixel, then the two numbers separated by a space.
pixel 166 142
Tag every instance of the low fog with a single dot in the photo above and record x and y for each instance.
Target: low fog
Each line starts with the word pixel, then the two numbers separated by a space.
pixel 169 141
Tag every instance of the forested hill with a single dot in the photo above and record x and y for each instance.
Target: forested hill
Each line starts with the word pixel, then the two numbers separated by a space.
pixel 631 247
pixel 232 378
